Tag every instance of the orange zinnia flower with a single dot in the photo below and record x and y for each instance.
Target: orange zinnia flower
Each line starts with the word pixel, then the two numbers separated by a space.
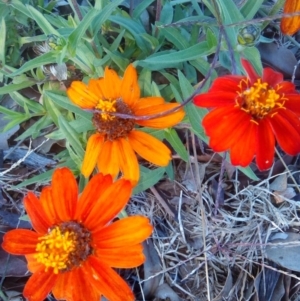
pixel 75 244
pixel 290 25
pixel 250 113
pixel 114 145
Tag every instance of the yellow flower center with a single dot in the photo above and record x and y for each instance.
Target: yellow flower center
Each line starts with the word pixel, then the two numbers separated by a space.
pixel 64 247
pixel 113 127
pixel 259 100
pixel 106 106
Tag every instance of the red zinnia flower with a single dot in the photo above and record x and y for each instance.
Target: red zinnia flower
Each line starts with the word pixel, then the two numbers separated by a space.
pixel 75 244
pixel 250 114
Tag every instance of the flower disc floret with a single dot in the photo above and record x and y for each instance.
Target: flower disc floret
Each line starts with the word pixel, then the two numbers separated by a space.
pixel 64 247
pixel 260 99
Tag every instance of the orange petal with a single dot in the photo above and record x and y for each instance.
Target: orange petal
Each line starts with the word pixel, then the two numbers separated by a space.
pixel 20 242
pixel 62 288
pixel 110 85
pixel 150 148
pixel 108 161
pixel 290 25
pixel 75 286
pixel 265 145
pixel 39 285
pixel 123 233
pixel 35 210
pixel 94 87
pixel 147 102
pixel 82 96
pixel 107 281
pixel 92 153
pixel 130 90
pixel 128 161
pixel 90 195
pixel 122 257
pixel 32 264
pixel 48 205
pixel 109 204
pixel 64 193
pixel 160 122
pixel 252 74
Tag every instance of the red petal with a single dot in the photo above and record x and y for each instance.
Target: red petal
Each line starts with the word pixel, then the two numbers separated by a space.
pixel 215 99
pixel 227 83
pixel 48 205
pixel 35 210
pixel 242 152
pixel 265 145
pixel 64 193
pixel 272 77
pixel 123 233
pixel 20 242
pixel 109 204
pixel 286 135
pixel 91 194
pixel 122 257
pixel 293 103
pixel 252 75
pixel 39 285
pixel 107 281
pixel 286 88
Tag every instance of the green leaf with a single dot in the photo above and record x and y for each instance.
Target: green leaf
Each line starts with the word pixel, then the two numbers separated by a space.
pixel 135 28
pixel 173 138
pixel 141 8
pixel 2 43
pixel 249 173
pixel 42 22
pixel 148 178
pixel 105 14
pixel 44 59
pixel 32 105
pixel 160 61
pixel 72 136
pixel 173 35
pixel 63 101
pixel 15 87
pixel 250 8
pixel 79 32
pixel 194 114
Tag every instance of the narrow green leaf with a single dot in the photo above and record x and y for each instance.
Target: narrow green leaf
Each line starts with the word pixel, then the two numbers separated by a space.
pixel 79 32
pixel 15 87
pixel 249 173
pixel 148 178
pixel 135 28
pixel 44 59
pixel 32 105
pixel 63 101
pixel 173 138
pixel 43 23
pixel 161 61
pixel 250 8
pixel 2 42
pixel 72 136
pixel 141 7
pixel 173 35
